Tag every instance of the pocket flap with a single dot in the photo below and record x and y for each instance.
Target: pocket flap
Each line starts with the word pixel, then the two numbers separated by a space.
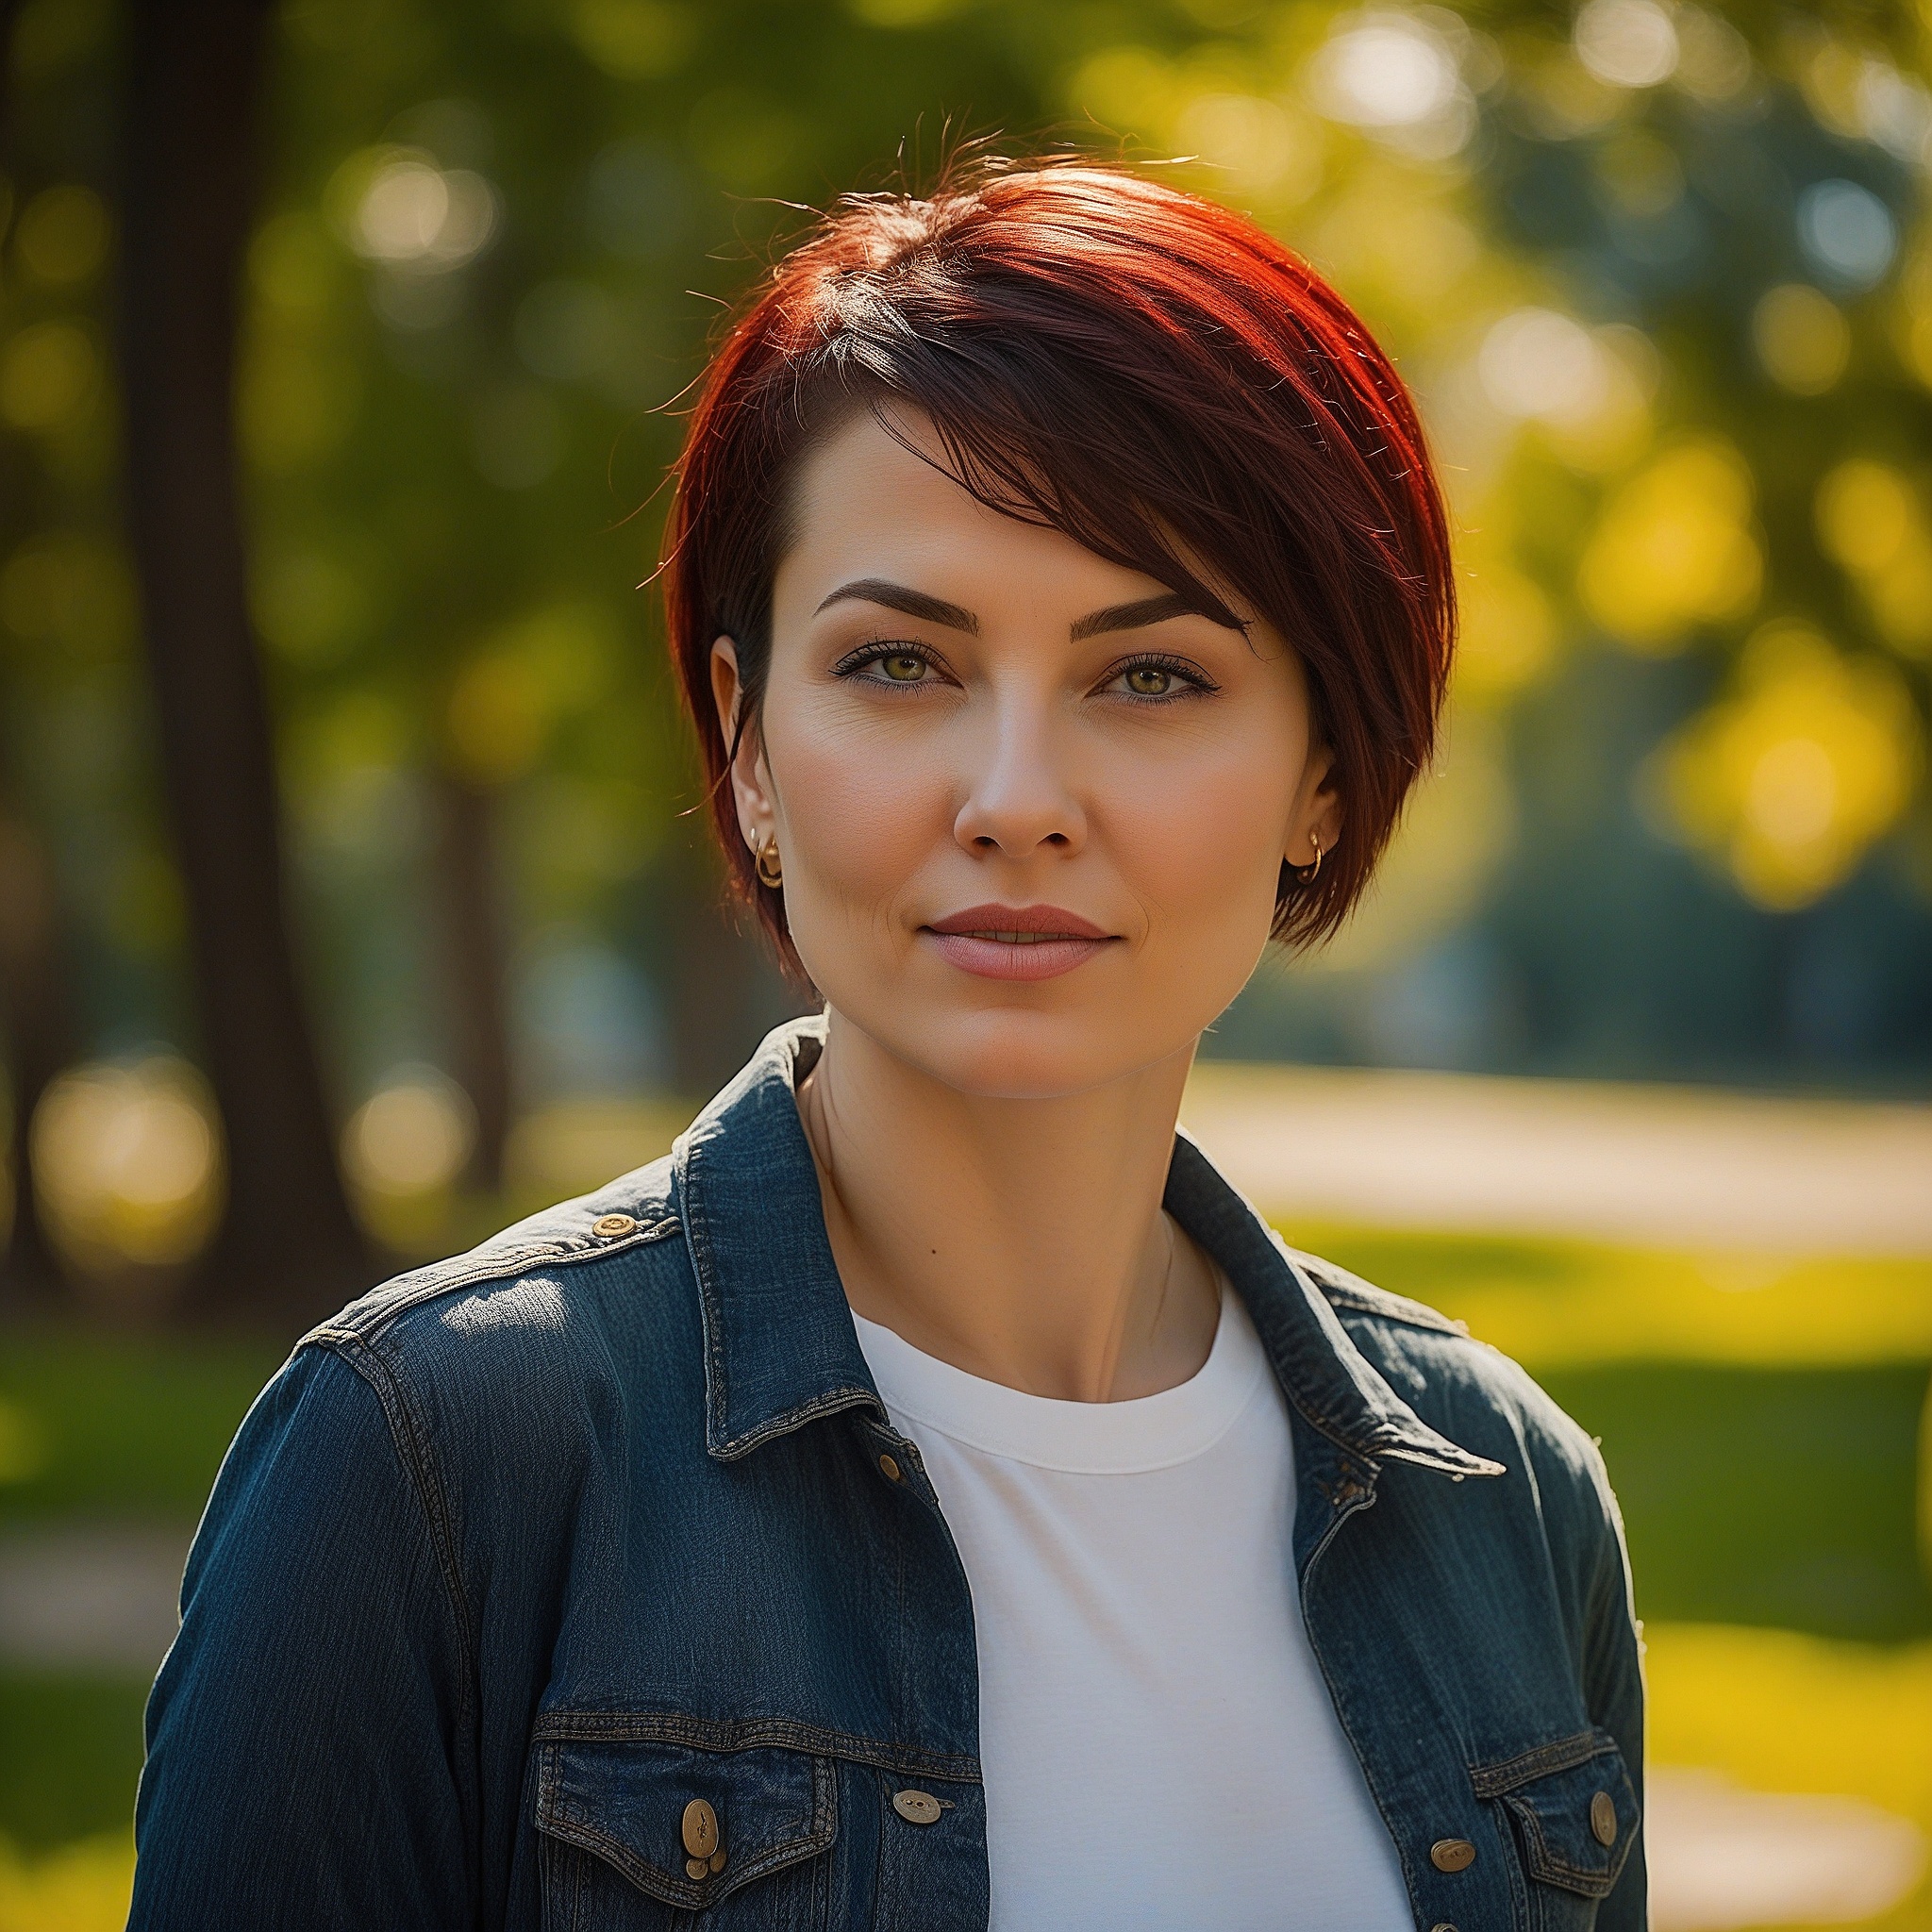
pixel 1575 1809
pixel 628 1801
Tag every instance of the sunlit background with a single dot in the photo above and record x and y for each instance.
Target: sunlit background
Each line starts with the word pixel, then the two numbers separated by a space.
pixel 1625 1061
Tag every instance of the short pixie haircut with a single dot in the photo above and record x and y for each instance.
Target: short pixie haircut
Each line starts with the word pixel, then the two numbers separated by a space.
pixel 1108 357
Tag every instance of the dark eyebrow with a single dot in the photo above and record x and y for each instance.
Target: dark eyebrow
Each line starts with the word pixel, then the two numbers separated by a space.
pixel 897 598
pixel 1137 616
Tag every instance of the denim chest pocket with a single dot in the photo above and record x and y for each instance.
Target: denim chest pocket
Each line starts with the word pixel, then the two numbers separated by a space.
pixel 639 1836
pixel 1574 1815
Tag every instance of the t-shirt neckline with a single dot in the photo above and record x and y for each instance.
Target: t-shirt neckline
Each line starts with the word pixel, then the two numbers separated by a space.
pixel 1147 1432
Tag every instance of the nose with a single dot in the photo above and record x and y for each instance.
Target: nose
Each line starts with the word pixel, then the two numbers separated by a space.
pixel 1018 795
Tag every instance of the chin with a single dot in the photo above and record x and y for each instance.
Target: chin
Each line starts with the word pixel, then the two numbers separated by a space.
pixel 1011 1054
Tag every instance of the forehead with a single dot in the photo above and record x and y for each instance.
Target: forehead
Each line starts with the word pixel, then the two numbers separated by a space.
pixel 866 506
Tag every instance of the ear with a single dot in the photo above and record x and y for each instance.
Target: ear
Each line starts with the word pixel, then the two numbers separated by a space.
pixel 1315 823
pixel 750 782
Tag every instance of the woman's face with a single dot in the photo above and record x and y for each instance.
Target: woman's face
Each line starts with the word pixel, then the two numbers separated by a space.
pixel 1031 810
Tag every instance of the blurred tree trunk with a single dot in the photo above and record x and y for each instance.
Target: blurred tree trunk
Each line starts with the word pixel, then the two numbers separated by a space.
pixel 36 1029
pixel 36 1033
pixel 289 1249
pixel 474 968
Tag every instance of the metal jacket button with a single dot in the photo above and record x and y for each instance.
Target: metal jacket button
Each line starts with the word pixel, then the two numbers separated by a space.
pixel 916 1807
pixel 700 1829
pixel 1452 1855
pixel 1602 1818
pixel 889 1466
pixel 612 1225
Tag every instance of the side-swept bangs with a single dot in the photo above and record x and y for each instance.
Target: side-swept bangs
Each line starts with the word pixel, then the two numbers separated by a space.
pixel 1139 368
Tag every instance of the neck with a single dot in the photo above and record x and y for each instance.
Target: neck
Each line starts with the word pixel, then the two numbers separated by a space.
pixel 1019 1239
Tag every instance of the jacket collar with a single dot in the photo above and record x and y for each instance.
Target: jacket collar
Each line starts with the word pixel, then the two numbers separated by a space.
pixel 1333 1383
pixel 780 1348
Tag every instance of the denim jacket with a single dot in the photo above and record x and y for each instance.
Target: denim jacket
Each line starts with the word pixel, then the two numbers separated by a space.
pixel 581 1583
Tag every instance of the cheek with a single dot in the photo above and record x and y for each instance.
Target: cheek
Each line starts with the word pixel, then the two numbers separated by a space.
pixel 860 809
pixel 1199 839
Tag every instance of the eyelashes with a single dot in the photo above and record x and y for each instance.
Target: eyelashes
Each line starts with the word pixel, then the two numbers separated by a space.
pixel 890 663
pixel 1193 680
pixel 881 651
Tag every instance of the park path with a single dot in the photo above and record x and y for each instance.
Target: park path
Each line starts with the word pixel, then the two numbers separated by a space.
pixel 1658 1166
pixel 87 1598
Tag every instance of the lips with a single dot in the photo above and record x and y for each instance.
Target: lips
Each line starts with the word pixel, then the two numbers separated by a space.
pixel 1018 925
pixel 1017 942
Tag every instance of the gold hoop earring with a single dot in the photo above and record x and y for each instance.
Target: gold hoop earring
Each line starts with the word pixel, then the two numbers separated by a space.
pixel 1310 874
pixel 771 868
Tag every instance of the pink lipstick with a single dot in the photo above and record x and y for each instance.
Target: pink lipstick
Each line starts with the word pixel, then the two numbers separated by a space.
pixel 1017 942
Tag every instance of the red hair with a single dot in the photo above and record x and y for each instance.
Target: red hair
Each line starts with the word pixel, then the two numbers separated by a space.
pixel 1139 368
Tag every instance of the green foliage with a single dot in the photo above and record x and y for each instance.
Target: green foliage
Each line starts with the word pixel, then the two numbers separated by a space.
pixel 496 242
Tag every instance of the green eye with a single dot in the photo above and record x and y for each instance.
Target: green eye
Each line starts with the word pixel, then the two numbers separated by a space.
pixel 901 667
pixel 1149 681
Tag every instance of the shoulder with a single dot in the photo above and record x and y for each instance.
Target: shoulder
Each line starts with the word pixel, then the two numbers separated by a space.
pixel 472 1405
pixel 532 1318
pixel 1471 1392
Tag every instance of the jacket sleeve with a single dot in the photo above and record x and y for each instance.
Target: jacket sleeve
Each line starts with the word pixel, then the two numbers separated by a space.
pixel 305 1735
pixel 1613 1687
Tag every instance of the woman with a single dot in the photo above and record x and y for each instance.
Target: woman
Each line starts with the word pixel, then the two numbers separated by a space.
pixel 932 1496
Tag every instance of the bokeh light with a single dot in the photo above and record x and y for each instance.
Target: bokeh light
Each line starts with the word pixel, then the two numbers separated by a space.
pixel 62 235
pixel 1847 232
pixel 1802 338
pixel 1258 142
pixel 414 212
pixel 1627 43
pixel 1872 521
pixel 1792 777
pixel 1539 363
pixel 639 40
pixel 1713 59
pixel 128 1165
pixel 1508 635
pixel 404 1150
pixel 1675 548
pixel 48 373
pixel 1395 75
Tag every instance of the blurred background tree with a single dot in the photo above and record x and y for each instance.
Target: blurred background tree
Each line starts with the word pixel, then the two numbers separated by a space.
pixel 1658 272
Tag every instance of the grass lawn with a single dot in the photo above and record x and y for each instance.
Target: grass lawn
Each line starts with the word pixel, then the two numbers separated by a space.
pixel 123 1426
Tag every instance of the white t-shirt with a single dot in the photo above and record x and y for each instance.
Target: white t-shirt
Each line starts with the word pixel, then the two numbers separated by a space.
pixel 1159 1750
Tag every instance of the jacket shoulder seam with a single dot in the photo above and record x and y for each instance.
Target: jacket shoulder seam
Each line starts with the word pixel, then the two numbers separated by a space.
pixel 467 1271
pixel 1361 1299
